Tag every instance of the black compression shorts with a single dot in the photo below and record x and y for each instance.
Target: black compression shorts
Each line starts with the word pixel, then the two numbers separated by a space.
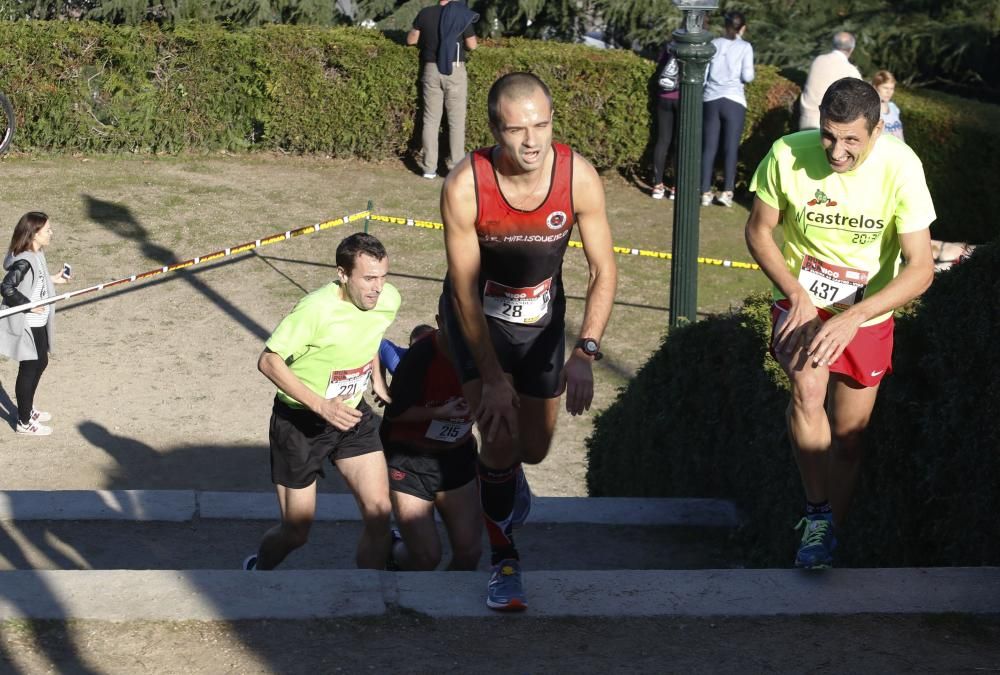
pixel 301 441
pixel 423 474
pixel 533 356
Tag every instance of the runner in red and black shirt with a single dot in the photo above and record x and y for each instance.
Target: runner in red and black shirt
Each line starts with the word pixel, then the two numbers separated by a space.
pixel 508 212
pixel 431 452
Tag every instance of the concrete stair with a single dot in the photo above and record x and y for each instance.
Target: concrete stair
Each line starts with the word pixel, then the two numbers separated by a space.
pixel 172 555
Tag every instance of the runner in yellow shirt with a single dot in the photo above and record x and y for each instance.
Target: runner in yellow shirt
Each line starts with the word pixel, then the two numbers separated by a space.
pixel 850 201
pixel 322 357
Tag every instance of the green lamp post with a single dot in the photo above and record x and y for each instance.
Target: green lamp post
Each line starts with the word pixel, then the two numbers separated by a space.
pixel 694 50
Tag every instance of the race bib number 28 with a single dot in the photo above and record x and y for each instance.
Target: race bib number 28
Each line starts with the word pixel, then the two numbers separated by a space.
pixel 832 285
pixel 517 305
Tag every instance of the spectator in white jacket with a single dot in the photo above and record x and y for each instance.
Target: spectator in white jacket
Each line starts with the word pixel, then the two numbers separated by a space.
pixel 824 71
pixel 725 107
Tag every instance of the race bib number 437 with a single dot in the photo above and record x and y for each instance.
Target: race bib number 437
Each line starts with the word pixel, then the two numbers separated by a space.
pixel 350 384
pixel 832 285
pixel 517 305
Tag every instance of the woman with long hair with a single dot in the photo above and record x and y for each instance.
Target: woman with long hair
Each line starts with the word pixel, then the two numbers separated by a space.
pixel 27 336
pixel 725 107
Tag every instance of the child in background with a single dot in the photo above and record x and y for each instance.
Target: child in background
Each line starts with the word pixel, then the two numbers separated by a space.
pixel 885 85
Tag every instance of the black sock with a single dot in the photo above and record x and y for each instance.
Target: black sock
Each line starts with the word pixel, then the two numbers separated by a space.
pixel 822 508
pixel 496 492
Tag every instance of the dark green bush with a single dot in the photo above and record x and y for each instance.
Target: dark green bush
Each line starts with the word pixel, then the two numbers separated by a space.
pixel 705 418
pixel 87 87
pixel 80 86
pixel 958 141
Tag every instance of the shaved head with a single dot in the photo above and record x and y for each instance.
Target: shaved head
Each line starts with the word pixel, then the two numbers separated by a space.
pixel 514 87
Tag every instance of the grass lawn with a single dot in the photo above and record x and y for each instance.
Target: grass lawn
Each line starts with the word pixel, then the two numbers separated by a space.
pixel 114 216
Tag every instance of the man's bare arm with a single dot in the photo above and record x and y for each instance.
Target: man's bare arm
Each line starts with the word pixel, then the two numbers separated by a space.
pixel 333 410
pixel 496 412
pixel 914 278
pixel 801 322
pixel 592 220
pixel 458 210
pixel 413 37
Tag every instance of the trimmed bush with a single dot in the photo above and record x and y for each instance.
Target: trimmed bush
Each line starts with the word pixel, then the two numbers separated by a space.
pixel 705 418
pixel 88 87
pixel 958 141
pixel 80 86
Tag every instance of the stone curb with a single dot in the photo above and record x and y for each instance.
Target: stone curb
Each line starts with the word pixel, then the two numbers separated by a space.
pixel 185 505
pixel 207 595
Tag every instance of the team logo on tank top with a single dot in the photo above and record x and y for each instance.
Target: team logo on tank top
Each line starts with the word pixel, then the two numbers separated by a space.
pixel 556 220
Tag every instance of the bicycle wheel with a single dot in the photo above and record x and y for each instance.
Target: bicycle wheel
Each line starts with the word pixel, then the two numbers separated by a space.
pixel 8 120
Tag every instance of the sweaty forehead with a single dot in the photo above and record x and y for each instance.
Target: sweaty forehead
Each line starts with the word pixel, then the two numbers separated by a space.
pixel 856 129
pixel 367 265
pixel 515 108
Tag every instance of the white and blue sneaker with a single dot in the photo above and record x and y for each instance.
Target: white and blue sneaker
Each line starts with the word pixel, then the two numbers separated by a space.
pixel 505 592
pixel 250 563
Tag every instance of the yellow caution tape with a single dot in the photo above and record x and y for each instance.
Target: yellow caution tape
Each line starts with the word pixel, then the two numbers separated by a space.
pixel 232 250
pixel 623 250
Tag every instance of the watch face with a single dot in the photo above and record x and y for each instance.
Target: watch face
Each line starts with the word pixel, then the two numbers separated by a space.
pixel 590 346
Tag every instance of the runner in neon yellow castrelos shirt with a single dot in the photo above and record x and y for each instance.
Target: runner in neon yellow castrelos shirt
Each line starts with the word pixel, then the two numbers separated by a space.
pixel 843 226
pixel 330 344
pixel 322 357
pixel 850 202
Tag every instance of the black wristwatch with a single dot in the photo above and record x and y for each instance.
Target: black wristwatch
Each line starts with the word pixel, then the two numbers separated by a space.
pixel 590 347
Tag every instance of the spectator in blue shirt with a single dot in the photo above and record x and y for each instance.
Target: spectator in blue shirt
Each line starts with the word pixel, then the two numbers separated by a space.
pixel 725 107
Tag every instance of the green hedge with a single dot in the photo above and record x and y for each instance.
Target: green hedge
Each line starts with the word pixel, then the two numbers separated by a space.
pixel 705 418
pixel 958 141
pixel 88 87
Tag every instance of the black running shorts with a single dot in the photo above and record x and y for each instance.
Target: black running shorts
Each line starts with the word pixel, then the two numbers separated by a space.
pixel 301 441
pixel 533 356
pixel 423 474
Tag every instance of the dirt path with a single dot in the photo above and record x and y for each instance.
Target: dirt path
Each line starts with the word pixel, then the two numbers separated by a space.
pixel 412 644
pixel 154 384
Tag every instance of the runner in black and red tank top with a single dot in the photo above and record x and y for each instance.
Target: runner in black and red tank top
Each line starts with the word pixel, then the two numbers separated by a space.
pixel 431 453
pixel 508 212
pixel 522 251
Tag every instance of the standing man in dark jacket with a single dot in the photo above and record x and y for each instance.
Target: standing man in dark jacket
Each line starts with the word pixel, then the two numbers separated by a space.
pixel 444 34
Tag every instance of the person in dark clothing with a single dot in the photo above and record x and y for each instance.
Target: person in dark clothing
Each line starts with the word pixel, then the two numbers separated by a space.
pixel 444 34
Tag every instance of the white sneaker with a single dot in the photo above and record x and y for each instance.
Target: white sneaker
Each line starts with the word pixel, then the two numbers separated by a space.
pixel 39 416
pixel 33 428
pixel 706 198
pixel 725 199
pixel 659 191
pixel 430 176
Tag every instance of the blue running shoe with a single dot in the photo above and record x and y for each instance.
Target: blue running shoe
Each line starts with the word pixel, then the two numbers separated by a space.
pixel 818 542
pixel 250 563
pixel 522 499
pixel 505 592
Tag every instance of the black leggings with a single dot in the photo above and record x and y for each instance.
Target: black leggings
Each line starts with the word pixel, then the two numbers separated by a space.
pixel 666 116
pixel 723 118
pixel 29 374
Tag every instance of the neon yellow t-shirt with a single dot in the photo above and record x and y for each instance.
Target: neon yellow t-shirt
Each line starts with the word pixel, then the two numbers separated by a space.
pixel 841 230
pixel 330 344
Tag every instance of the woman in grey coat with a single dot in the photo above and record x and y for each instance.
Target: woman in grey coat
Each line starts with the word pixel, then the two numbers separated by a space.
pixel 27 336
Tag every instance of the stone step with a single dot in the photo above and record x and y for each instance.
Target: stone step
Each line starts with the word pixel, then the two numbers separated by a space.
pixel 222 544
pixel 207 595
pixel 187 505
